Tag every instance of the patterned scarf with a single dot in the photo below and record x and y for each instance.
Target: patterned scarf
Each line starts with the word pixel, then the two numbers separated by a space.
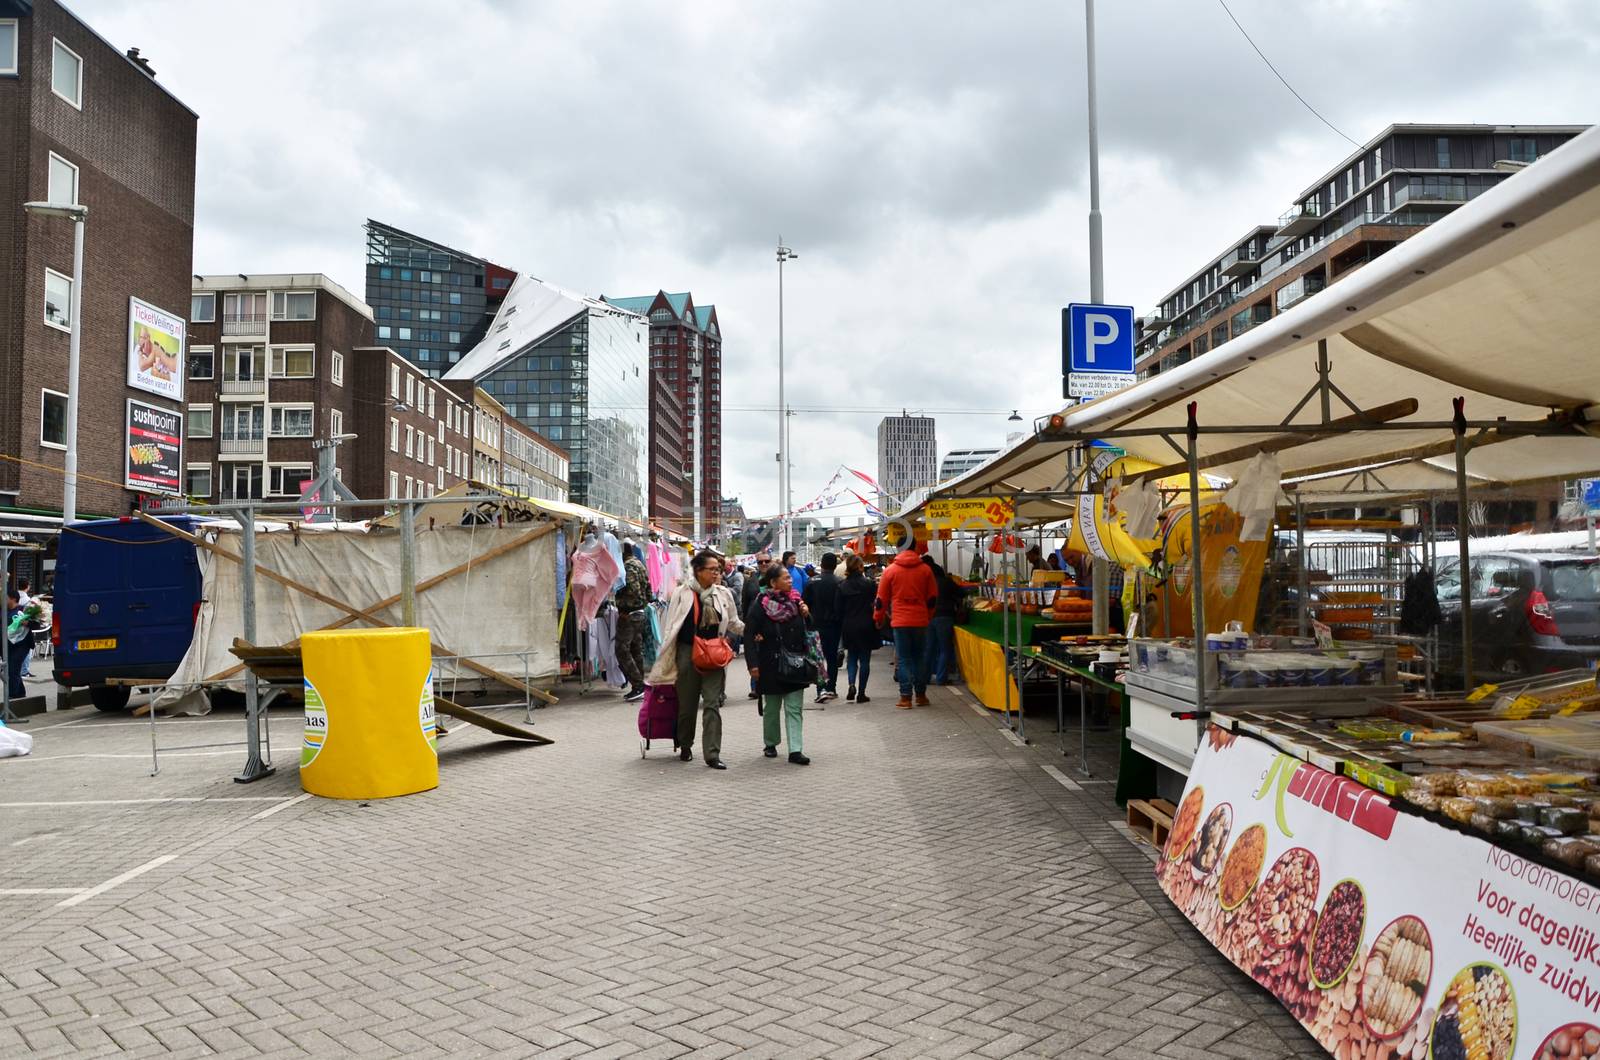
pixel 780 607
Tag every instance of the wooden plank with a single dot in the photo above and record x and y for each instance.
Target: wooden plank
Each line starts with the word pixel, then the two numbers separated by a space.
pixel 339 605
pixel 451 709
pixel 1151 820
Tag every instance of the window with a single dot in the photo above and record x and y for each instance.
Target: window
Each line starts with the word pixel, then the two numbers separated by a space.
pixel 53 420
pixel 394 483
pixel 200 417
pixel 1522 150
pixel 411 394
pixel 431 409
pixel 66 74
pixel 455 297
pixel 441 430
pixel 394 435
pixel 64 180
pixel 294 305
pixel 403 333
pixel 411 437
pixel 440 478
pixel 394 380
pixel 430 459
pixel 8 45
pixel 291 421
pixel 203 308
pixel 202 362
pixel 284 480
pixel 383 331
pixel 335 422
pixel 197 480
pixel 291 362
pixel 246 481
pixel 1442 147
pixel 336 368
pixel 57 300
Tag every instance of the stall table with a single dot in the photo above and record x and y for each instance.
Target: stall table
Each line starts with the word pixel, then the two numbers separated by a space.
pixel 1136 775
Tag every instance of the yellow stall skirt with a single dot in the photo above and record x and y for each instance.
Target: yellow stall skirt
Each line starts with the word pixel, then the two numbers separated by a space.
pixel 983 668
pixel 369 714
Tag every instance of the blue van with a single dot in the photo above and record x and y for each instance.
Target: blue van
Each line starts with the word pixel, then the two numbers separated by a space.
pixel 126 598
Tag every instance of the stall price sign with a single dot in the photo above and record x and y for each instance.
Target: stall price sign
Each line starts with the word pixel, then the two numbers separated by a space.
pixel 153 449
pixel 1382 932
pixel 971 513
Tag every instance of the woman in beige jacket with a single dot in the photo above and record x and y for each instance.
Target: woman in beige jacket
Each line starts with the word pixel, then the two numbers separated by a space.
pixel 701 607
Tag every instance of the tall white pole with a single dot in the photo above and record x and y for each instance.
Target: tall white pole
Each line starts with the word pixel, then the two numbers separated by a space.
pixel 69 491
pixel 1101 598
pixel 783 422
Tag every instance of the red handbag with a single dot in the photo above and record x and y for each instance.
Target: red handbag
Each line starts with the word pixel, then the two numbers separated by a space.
pixel 710 653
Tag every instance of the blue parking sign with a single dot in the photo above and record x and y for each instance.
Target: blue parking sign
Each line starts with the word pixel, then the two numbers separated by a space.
pixel 1099 338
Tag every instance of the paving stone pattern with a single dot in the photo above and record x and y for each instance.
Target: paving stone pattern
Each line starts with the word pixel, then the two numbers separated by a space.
pixel 924 889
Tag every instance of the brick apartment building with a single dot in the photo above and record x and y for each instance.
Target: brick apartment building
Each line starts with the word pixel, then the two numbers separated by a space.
pixel 83 123
pixel 278 361
pixel 686 350
pixel 671 481
pixel 509 454
pixel 1404 179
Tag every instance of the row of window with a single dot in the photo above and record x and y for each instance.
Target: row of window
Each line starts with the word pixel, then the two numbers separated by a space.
pixel 409 294
pixel 247 363
pixel 245 422
pixel 455 279
pixel 386 331
pixel 251 306
pixel 246 481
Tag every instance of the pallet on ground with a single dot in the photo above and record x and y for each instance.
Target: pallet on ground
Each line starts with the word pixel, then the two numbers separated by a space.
pixel 1151 819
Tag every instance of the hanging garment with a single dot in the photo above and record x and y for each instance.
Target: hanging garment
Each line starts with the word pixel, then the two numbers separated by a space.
pixel 1140 505
pixel 1419 606
pixel 1254 497
pixel 561 569
pixel 603 648
pixel 652 635
pixel 614 547
pixel 593 574
pixel 655 562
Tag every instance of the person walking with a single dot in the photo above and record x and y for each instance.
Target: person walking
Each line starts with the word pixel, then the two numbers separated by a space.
pixel 632 620
pixel 859 632
pixel 19 631
pixel 797 574
pixel 908 593
pixel 734 581
pixel 747 596
pixel 822 597
pixel 26 601
pixel 942 630
pixel 776 626
pixel 700 608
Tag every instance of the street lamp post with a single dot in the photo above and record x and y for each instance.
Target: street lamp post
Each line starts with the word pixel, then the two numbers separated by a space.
pixel 784 254
pixel 1100 608
pixel 77 214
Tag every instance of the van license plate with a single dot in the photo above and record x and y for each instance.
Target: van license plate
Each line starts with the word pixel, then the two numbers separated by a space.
pixel 98 644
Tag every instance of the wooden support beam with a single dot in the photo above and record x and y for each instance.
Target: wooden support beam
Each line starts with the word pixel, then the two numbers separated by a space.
pixel 353 612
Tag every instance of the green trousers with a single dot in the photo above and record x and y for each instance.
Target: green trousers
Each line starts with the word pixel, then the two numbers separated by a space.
pixel 791 706
pixel 704 692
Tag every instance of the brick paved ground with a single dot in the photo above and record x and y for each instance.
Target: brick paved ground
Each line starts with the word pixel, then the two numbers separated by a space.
pixel 924 889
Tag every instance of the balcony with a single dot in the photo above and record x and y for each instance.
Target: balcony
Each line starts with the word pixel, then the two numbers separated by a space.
pixel 1240 261
pixel 242 324
pixel 242 387
pixel 1434 190
pixel 1303 218
pixel 242 443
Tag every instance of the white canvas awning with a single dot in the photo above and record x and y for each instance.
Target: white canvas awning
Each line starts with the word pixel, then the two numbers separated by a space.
pixel 1496 303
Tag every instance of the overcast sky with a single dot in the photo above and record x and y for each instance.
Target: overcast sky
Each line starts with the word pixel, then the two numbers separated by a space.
pixel 928 161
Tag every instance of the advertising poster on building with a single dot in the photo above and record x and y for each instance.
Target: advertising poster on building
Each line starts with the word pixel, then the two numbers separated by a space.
pixel 154 450
pixel 1387 936
pixel 155 350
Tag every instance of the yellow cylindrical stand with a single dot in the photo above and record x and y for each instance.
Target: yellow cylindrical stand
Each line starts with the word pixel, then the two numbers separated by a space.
pixel 369 714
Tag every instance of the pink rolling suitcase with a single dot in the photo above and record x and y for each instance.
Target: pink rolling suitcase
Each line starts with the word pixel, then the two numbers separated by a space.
pixel 658 716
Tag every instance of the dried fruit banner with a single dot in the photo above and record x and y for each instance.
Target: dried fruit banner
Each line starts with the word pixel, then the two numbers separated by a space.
pixel 1387 936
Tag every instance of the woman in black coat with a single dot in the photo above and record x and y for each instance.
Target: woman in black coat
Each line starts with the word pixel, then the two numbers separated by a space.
pixel 775 626
pixel 860 632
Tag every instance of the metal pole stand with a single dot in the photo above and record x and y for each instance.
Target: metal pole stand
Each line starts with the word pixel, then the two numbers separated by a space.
pixel 254 768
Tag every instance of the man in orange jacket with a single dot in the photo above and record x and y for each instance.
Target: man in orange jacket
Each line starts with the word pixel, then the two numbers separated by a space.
pixel 909 593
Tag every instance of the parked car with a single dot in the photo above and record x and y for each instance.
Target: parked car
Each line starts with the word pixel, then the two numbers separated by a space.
pixel 127 595
pixel 1532 612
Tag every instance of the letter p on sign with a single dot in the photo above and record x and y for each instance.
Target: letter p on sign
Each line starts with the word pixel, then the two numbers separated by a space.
pixel 1099 338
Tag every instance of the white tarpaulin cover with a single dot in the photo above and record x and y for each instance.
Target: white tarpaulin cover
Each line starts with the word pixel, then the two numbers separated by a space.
pixel 505 605
pixel 1495 303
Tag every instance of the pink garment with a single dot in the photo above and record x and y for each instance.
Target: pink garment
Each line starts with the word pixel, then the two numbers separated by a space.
pixel 663 573
pixel 593 572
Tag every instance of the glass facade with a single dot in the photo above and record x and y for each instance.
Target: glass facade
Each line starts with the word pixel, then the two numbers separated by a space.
pixel 583 387
pixel 429 302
